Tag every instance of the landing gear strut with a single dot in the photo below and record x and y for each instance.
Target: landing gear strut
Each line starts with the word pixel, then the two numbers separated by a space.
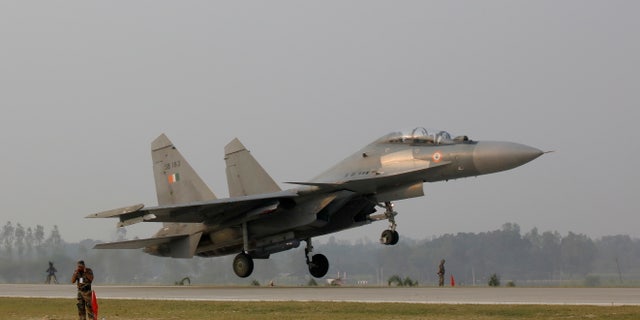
pixel 390 236
pixel 319 264
pixel 243 263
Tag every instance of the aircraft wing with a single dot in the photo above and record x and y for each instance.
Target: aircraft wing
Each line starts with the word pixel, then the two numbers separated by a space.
pixel 138 243
pixel 209 212
pixel 245 208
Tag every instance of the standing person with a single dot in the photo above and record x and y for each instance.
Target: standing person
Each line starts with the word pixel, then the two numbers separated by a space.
pixel 441 274
pixel 51 274
pixel 83 277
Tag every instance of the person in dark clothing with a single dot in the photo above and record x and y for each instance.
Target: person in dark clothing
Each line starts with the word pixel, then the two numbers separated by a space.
pixel 441 274
pixel 51 274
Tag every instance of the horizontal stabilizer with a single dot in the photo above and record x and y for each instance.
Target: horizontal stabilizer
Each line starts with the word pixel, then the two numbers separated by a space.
pixel 128 215
pixel 114 213
pixel 209 212
pixel 138 243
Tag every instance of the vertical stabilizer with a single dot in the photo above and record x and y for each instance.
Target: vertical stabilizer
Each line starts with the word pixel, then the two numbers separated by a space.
pixel 176 181
pixel 245 176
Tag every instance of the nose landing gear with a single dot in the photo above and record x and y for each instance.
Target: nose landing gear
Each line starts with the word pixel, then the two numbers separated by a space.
pixel 390 236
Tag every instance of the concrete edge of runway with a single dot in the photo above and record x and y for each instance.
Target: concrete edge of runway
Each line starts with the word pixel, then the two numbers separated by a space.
pixel 613 304
pixel 423 295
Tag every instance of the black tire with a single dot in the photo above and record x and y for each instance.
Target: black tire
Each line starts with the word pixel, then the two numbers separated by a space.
pixel 387 237
pixel 243 265
pixel 394 238
pixel 319 266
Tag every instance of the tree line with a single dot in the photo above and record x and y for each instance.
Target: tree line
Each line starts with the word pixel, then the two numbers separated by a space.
pixel 25 251
pixel 18 242
pixel 533 258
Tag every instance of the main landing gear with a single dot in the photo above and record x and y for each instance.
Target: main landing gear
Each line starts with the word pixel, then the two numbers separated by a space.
pixel 390 236
pixel 319 264
pixel 243 265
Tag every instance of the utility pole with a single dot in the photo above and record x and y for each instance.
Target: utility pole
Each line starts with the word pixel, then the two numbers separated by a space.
pixel 619 272
pixel 473 276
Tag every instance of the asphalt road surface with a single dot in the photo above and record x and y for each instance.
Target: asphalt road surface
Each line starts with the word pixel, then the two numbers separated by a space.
pixel 460 295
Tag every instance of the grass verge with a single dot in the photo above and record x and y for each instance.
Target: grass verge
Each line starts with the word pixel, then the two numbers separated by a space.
pixel 58 309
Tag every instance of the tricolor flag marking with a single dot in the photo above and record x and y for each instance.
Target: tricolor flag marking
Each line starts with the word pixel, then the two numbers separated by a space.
pixel 173 178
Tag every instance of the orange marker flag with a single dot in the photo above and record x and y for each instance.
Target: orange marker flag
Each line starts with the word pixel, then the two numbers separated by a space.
pixel 453 281
pixel 94 304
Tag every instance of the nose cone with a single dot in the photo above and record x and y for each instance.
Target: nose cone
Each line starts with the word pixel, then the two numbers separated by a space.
pixel 494 156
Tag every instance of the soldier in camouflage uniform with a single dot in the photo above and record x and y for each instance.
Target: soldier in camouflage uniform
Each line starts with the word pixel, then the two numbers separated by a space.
pixel 83 277
pixel 51 274
pixel 441 274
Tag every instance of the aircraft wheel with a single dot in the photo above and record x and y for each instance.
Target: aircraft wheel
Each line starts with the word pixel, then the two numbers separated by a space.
pixel 395 236
pixel 387 237
pixel 243 265
pixel 319 265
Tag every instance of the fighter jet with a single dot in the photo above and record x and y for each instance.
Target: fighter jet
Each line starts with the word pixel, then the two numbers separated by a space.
pixel 259 219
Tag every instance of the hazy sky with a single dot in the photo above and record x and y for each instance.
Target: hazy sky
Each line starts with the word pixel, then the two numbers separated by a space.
pixel 85 86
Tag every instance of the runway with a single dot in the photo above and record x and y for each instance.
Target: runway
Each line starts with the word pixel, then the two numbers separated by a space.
pixel 461 295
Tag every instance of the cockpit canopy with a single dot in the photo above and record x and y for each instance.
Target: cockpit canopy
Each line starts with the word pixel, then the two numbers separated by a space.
pixel 420 136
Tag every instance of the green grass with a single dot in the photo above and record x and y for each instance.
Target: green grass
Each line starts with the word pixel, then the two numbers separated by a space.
pixel 50 309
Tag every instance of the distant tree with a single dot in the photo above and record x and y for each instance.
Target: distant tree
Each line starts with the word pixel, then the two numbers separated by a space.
pixel 511 228
pixel 19 239
pixel 550 252
pixel 312 283
pixel 408 282
pixel 494 280
pixel 504 250
pixel 534 237
pixel 1 237
pixel 617 255
pixel 39 236
pixel 395 279
pixel 577 253
pixel 29 241
pixel 54 240
pixel 8 235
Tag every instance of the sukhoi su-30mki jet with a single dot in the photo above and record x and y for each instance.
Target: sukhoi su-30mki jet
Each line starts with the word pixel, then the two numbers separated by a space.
pixel 259 218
